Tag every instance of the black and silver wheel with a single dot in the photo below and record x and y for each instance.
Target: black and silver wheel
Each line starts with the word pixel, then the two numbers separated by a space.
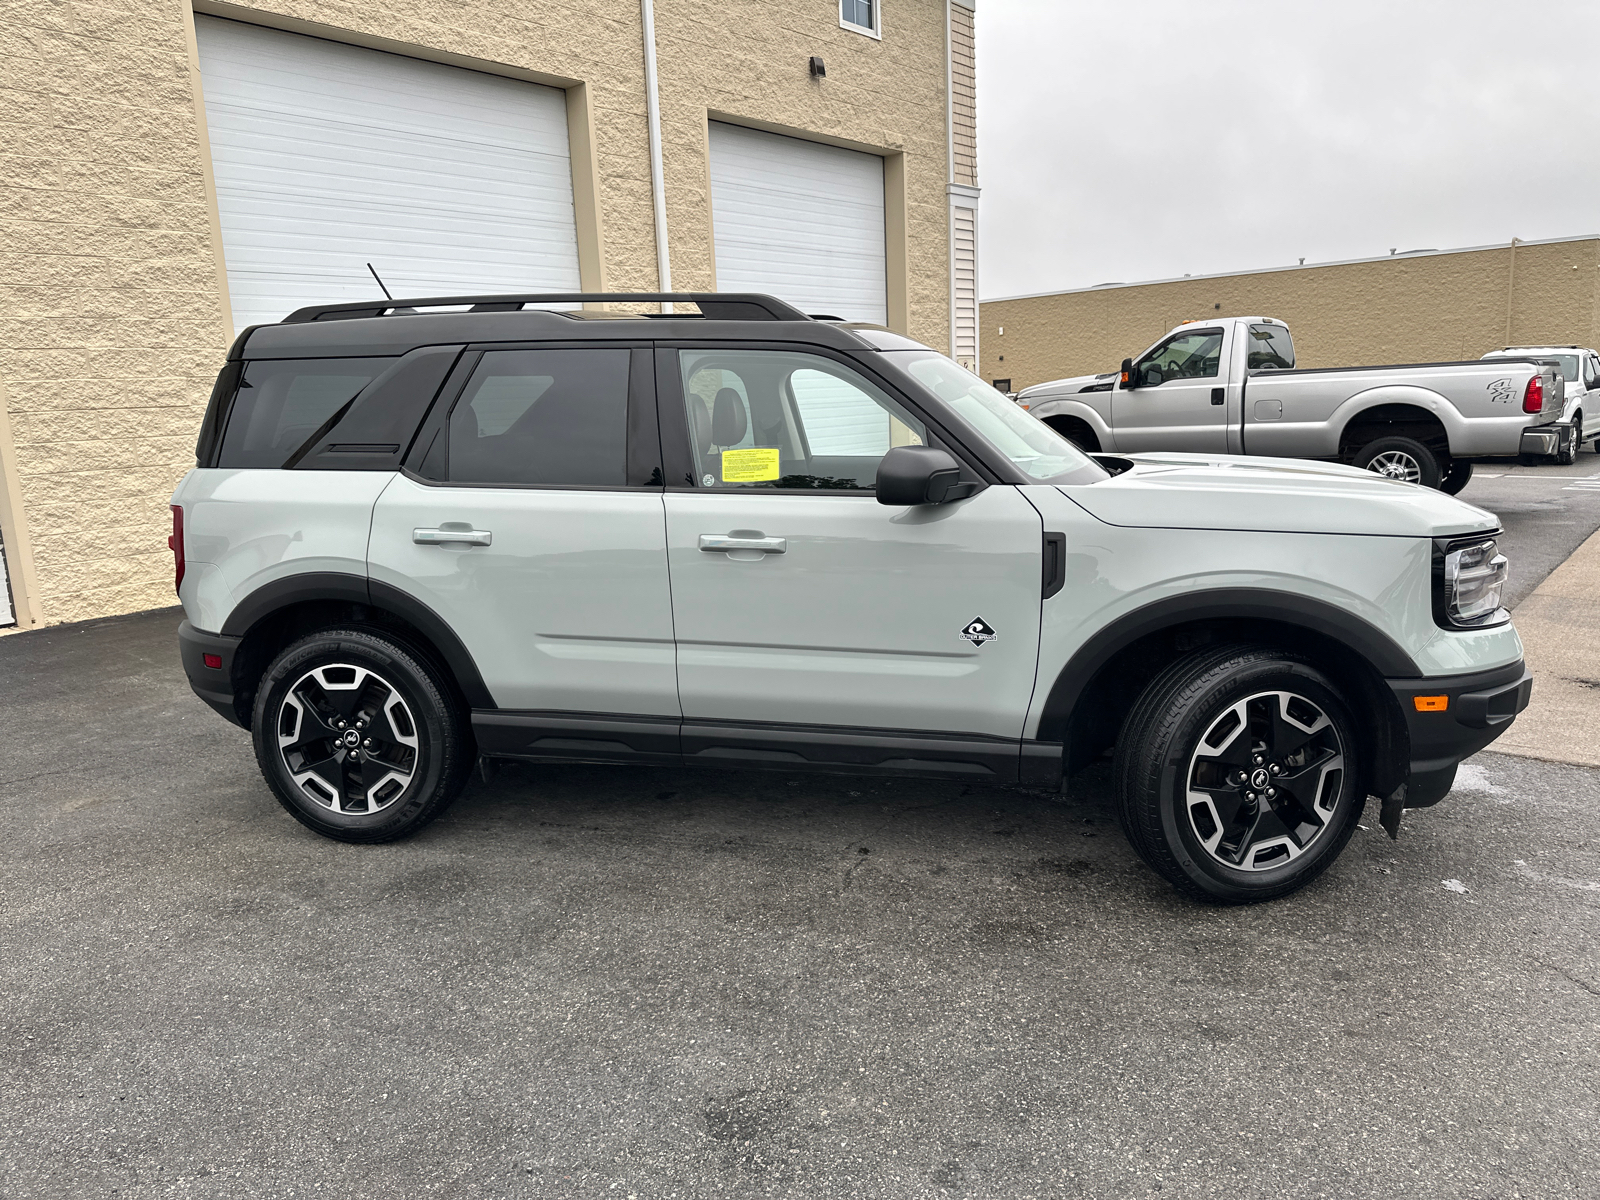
pixel 1238 774
pixel 1457 478
pixel 1402 458
pixel 1565 458
pixel 358 737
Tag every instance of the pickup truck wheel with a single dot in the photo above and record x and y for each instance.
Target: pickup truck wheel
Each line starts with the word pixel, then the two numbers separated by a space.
pixel 1565 458
pixel 358 737
pixel 1459 475
pixel 1400 458
pixel 1239 775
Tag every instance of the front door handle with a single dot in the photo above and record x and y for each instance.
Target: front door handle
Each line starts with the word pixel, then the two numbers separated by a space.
pixel 460 535
pixel 1216 395
pixel 717 542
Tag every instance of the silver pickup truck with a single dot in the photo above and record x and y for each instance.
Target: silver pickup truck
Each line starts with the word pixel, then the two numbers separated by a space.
pixel 1230 386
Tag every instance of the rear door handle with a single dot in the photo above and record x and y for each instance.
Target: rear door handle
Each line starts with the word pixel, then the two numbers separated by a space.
pixel 715 542
pixel 462 536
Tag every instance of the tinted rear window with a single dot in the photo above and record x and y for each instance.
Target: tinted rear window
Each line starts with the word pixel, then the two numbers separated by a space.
pixel 1271 349
pixel 282 404
pixel 543 417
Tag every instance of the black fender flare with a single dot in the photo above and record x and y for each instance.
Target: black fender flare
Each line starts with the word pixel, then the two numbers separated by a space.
pixel 1386 656
pixel 338 586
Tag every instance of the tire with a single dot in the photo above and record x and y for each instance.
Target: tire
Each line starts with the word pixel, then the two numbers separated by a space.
pixel 1459 475
pixel 1565 458
pixel 1079 434
pixel 1577 433
pixel 388 746
pixel 1400 458
pixel 1179 798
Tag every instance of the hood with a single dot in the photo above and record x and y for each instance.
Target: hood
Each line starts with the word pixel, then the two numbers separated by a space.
pixel 1058 388
pixel 1271 495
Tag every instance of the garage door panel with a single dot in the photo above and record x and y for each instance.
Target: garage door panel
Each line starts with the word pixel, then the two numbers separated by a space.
pixel 800 220
pixel 328 157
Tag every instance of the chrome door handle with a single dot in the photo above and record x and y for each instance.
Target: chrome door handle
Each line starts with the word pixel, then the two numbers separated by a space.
pixel 726 542
pixel 462 536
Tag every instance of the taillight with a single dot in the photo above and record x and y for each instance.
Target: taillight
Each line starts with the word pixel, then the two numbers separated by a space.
pixel 1533 395
pixel 175 544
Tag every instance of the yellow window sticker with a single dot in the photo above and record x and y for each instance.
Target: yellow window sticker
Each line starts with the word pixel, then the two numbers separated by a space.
pixel 755 465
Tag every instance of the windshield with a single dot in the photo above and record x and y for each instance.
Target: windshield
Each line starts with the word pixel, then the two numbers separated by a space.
pixel 1038 451
pixel 1570 371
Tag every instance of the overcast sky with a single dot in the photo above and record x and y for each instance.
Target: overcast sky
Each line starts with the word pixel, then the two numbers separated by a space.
pixel 1144 139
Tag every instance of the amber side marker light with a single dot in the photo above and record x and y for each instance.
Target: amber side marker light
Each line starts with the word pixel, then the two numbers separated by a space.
pixel 1431 703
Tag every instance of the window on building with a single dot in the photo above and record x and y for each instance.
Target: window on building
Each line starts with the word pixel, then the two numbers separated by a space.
pixel 861 15
pixel 543 417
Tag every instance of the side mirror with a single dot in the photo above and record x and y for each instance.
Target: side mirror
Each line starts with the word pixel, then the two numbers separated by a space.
pixel 1127 373
pixel 911 475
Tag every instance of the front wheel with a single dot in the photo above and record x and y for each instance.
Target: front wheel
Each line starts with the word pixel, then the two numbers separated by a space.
pixel 1401 458
pixel 1239 774
pixel 360 738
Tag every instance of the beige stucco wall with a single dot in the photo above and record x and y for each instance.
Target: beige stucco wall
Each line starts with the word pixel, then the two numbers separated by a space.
pixel 1424 308
pixel 113 316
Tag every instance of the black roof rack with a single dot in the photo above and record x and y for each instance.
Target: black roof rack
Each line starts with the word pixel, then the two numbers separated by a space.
pixel 714 306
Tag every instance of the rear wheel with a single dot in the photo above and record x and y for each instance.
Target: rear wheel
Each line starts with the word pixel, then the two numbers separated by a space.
pixel 1565 458
pixel 1239 775
pixel 1459 475
pixel 358 737
pixel 1401 458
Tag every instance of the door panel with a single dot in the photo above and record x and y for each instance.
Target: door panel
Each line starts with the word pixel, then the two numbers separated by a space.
pixel 567 608
pixel 859 620
pixel 1187 411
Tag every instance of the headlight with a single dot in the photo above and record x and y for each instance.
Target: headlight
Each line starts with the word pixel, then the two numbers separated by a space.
pixel 1469 577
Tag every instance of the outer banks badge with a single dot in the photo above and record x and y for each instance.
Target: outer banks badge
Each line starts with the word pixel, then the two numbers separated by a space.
pixel 978 632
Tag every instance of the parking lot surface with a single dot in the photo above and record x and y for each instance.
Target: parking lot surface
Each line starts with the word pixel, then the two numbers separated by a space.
pixel 1546 512
pixel 589 981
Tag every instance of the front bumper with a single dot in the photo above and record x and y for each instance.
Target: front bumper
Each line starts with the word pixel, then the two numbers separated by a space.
pixel 1547 440
pixel 1476 709
pixel 214 685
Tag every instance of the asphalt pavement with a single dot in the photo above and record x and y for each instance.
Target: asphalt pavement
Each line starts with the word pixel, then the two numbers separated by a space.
pixel 619 982
pixel 1546 511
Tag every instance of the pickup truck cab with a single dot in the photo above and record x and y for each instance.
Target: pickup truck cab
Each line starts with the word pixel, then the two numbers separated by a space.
pixel 1231 386
pixel 1579 367
pixel 418 539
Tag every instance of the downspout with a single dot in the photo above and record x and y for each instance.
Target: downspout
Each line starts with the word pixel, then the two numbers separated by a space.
pixel 1511 290
pixel 658 185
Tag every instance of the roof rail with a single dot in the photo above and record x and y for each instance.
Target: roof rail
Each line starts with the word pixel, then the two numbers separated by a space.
pixel 714 306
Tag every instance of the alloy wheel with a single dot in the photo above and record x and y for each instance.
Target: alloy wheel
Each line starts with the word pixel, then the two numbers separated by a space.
pixel 1396 464
pixel 1264 781
pixel 348 739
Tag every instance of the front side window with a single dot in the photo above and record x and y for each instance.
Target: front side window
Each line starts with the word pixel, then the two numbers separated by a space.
pixel 1193 355
pixel 776 419
pixel 1270 349
pixel 551 418
pixel 282 405
pixel 863 14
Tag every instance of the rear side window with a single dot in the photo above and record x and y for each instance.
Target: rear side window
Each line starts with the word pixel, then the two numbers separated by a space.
pixel 543 417
pixel 283 405
pixel 1270 349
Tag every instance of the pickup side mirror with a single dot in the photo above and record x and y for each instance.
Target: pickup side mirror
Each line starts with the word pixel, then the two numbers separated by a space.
pixel 1127 374
pixel 911 475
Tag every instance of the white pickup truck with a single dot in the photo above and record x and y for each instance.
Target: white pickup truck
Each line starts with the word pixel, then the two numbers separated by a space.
pixel 1230 386
pixel 1580 369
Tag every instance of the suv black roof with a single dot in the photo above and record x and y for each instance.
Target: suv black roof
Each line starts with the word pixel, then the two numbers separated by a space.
pixel 392 326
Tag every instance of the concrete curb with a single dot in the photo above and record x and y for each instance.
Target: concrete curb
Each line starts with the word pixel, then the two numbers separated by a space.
pixel 1560 627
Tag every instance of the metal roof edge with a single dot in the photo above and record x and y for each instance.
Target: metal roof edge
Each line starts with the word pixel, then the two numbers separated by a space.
pixel 1338 262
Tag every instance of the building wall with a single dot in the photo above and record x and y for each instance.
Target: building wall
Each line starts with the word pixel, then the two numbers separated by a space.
pixel 1409 308
pixel 113 304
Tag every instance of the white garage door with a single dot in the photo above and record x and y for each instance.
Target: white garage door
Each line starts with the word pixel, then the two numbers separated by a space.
pixel 799 220
pixel 328 157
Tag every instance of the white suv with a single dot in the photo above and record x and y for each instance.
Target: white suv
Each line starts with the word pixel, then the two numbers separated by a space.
pixel 744 537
